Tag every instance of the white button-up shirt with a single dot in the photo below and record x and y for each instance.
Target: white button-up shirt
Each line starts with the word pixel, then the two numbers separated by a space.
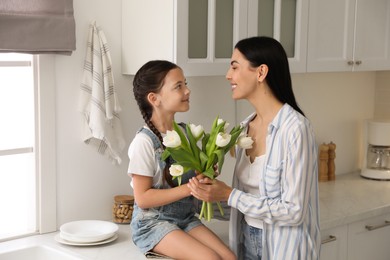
pixel 288 201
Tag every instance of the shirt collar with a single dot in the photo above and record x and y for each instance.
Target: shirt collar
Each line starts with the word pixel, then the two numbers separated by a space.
pixel 276 122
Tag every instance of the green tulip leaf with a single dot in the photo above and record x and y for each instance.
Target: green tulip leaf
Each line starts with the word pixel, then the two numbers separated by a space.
pixel 209 173
pixel 194 148
pixel 165 155
pixel 184 141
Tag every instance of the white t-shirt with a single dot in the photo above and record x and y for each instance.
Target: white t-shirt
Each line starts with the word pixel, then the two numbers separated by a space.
pixel 143 160
pixel 248 175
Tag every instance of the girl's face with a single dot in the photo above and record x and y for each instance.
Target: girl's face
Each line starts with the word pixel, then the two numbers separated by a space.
pixel 242 77
pixel 175 95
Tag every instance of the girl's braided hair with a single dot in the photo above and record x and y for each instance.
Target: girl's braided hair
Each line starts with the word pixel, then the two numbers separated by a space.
pixel 150 78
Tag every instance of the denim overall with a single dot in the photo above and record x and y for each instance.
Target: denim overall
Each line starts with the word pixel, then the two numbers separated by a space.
pixel 149 226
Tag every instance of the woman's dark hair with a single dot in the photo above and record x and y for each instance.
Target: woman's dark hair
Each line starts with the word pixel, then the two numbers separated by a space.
pixel 268 51
pixel 150 78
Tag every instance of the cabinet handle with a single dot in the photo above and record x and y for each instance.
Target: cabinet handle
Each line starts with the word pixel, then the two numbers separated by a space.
pixel 329 239
pixel 358 62
pixel 370 228
pixel 350 62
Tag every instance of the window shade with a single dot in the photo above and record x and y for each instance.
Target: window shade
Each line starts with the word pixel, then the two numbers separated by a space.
pixel 37 26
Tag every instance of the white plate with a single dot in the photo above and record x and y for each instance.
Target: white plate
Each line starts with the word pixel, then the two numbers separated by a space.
pixel 78 240
pixel 71 243
pixel 88 231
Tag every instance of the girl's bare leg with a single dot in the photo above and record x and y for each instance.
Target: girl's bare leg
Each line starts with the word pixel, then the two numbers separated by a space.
pixel 211 240
pixel 199 243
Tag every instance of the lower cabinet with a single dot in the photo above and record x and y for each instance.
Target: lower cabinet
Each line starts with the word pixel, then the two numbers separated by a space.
pixel 369 239
pixel 362 240
pixel 334 243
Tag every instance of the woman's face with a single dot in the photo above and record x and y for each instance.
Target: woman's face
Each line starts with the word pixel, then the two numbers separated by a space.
pixel 175 95
pixel 242 77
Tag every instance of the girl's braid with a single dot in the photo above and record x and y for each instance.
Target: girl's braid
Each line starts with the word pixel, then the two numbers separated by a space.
pixel 149 78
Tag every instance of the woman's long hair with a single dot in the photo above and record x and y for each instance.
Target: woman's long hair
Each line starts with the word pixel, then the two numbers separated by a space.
pixel 268 51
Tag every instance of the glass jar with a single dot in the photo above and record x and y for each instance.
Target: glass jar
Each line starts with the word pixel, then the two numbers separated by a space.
pixel 122 209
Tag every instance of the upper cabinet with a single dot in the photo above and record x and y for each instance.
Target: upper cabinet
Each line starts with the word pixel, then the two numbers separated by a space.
pixel 348 35
pixel 284 20
pixel 199 35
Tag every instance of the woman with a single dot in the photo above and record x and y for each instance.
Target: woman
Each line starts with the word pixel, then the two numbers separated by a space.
pixel 274 197
pixel 164 220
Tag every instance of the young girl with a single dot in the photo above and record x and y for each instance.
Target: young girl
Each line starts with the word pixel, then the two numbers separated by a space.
pixel 164 220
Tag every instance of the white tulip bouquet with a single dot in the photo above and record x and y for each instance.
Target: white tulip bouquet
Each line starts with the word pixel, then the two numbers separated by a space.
pixel 188 156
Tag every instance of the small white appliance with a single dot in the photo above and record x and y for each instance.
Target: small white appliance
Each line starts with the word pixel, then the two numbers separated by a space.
pixel 376 162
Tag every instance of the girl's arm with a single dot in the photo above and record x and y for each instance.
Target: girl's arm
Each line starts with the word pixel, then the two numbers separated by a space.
pixel 147 197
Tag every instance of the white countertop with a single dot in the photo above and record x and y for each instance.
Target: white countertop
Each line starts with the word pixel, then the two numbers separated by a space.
pixel 121 248
pixel 348 199
pixel 352 198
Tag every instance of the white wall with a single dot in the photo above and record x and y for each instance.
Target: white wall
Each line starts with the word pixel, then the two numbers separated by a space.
pixel 336 103
pixel 87 181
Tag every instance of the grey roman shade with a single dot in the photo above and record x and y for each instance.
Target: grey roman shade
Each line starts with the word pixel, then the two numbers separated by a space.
pixel 37 26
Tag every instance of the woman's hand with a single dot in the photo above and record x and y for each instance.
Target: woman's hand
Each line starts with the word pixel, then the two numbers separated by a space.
pixel 209 190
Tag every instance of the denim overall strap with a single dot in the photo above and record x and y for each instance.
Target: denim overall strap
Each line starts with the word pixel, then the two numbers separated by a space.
pixel 156 142
pixel 158 148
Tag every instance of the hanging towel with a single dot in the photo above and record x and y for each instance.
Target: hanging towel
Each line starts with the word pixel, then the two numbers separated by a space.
pixel 99 103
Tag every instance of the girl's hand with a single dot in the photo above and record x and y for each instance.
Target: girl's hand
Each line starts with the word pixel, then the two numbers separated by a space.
pixel 209 190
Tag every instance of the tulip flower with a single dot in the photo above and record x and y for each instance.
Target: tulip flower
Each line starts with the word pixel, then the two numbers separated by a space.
pixel 176 170
pixel 220 121
pixel 223 139
pixel 245 142
pixel 197 131
pixel 172 139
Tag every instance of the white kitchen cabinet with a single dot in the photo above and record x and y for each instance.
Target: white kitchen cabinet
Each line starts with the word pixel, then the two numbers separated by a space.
pixel 369 239
pixel 348 35
pixel 284 20
pixel 198 35
pixel 334 243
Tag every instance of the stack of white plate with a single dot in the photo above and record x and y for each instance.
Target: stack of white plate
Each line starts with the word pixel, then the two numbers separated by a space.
pixel 87 233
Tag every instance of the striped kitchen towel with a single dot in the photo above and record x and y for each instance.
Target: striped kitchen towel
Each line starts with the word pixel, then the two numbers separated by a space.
pixel 99 102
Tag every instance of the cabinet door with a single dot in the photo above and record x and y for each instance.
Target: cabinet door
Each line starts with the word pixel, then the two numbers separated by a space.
pixel 285 21
pixel 372 38
pixel 198 35
pixel 369 239
pixel 331 35
pixel 205 36
pixel 334 243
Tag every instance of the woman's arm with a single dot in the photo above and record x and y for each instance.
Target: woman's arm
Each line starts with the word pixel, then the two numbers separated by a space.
pixel 147 197
pixel 296 190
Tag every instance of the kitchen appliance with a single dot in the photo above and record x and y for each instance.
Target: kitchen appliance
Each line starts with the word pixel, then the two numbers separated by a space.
pixel 376 162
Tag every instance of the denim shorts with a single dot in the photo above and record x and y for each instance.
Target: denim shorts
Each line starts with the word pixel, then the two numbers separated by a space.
pixel 149 226
pixel 253 237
